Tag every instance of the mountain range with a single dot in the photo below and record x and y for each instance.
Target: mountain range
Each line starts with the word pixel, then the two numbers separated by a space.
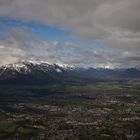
pixel 38 72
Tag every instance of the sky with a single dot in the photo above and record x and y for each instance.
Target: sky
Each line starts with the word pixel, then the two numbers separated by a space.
pixel 85 33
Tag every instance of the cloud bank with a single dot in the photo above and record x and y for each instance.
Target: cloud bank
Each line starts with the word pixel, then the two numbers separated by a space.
pixel 113 23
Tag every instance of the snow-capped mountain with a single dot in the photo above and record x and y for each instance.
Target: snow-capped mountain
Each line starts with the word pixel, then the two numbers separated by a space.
pixel 44 72
pixel 37 70
pixel 27 67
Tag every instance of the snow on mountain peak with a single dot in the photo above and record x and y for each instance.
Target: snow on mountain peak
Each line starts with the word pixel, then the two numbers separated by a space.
pixel 27 67
pixel 16 67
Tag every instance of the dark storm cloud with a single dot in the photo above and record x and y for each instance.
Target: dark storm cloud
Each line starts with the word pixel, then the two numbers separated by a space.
pixel 115 23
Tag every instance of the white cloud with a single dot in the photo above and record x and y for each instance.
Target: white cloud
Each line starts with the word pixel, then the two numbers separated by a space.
pixel 114 23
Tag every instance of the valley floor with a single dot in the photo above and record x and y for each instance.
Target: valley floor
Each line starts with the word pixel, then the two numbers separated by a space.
pixel 102 111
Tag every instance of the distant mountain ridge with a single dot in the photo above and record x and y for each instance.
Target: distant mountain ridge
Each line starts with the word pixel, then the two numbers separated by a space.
pixel 38 72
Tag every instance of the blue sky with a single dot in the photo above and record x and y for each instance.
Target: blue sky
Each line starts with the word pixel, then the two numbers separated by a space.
pixel 85 33
pixel 64 40
pixel 42 31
